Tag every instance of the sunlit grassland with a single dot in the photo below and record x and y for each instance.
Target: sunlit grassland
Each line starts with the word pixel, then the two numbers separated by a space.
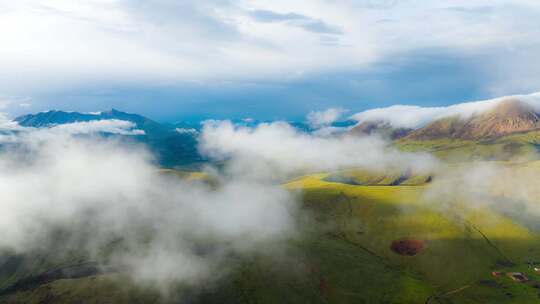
pixel 464 242
pixel 502 148
pixel 343 254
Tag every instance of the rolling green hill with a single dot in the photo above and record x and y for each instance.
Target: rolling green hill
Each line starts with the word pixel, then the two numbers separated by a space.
pixel 347 253
pixel 508 131
pixel 518 145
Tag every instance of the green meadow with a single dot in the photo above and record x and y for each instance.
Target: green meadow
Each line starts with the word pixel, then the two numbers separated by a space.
pixel 344 254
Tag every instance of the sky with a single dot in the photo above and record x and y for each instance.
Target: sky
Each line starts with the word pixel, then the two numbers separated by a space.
pixel 188 60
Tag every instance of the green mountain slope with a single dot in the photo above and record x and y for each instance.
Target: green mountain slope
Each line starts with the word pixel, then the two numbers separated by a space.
pixel 462 246
pixel 507 117
pixel 510 130
pixel 347 254
pixel 517 145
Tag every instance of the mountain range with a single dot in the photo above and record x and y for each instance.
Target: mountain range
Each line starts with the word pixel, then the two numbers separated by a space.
pixel 510 125
pixel 174 144
pixel 171 146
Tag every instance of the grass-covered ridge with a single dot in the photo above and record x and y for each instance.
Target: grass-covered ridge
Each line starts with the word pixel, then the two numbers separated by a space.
pixel 457 150
pixel 345 254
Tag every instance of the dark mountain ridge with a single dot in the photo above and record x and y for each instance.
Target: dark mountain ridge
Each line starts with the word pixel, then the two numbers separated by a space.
pixel 56 117
pixel 172 148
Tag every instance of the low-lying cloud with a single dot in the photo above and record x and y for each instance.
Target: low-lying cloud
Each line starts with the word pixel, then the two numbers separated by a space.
pixel 503 188
pixel 284 150
pixel 105 199
pixel 108 126
pixel 67 193
pixel 319 119
pixel 112 126
pixel 411 116
pixel 190 131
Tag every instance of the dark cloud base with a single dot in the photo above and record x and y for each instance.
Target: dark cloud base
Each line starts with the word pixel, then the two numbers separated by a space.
pixel 429 78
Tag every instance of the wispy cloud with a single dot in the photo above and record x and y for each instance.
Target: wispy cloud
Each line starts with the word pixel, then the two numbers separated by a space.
pixel 318 119
pixel 190 131
pixel 305 22
pixel 278 148
pixel 95 127
pixel 112 126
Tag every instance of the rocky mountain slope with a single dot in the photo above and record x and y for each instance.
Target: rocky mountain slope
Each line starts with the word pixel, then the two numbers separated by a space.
pixel 508 117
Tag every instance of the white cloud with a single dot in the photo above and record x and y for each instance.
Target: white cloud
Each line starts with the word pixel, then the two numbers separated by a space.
pixel 55 43
pixel 7 101
pixel 113 126
pixel 408 116
pixel 98 191
pixel 279 149
pixel 13 133
pixel 4 103
pixel 318 119
pixel 187 131
pixel 305 22
pixel 507 188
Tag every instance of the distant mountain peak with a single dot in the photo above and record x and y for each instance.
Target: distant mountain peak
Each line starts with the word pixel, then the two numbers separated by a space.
pixel 171 147
pixel 513 107
pixel 56 117
pixel 509 116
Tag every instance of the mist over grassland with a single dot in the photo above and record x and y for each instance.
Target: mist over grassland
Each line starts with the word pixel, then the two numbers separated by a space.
pixel 69 191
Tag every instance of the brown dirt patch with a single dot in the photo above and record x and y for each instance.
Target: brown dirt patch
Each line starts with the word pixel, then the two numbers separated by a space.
pixel 407 246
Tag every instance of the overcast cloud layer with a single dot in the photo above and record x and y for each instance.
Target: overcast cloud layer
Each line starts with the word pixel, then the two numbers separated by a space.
pixel 192 52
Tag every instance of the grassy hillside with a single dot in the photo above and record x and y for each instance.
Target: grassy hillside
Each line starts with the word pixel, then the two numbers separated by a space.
pixel 457 150
pixel 463 245
pixel 346 253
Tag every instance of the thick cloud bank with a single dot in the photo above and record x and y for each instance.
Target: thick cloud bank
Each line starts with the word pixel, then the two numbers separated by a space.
pixel 104 198
pixel 284 149
pixel 407 116
pixel 62 193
